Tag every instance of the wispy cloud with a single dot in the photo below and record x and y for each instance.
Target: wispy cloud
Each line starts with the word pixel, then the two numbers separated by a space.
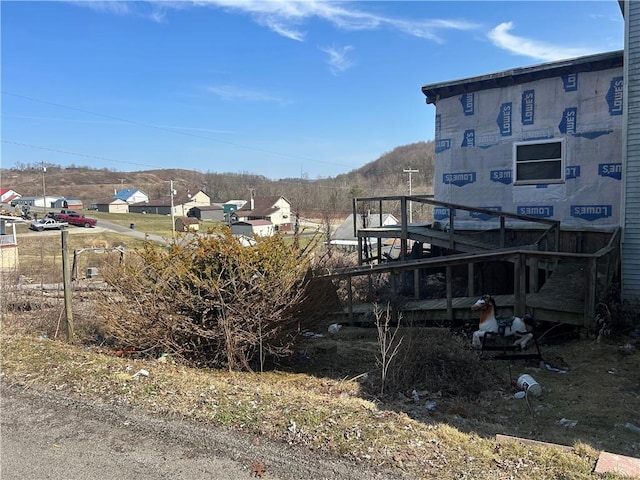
pixel 287 18
pixel 232 92
pixel 338 58
pixel 155 11
pixel 501 38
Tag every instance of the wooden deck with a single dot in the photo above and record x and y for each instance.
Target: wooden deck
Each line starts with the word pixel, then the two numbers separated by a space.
pixel 422 233
pixel 573 281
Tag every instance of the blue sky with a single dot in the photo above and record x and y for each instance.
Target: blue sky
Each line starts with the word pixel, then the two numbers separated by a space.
pixel 276 88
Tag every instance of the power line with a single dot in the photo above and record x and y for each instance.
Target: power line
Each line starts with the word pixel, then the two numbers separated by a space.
pixel 148 125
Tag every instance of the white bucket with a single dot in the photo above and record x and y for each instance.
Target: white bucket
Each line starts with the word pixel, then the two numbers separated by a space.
pixel 529 385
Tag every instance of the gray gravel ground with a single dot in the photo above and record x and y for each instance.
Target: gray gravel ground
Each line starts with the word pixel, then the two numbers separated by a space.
pixel 44 435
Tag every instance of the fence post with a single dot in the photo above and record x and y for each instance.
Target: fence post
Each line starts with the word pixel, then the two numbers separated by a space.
pixel 66 276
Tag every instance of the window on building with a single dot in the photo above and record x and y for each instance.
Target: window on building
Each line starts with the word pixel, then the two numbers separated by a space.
pixel 539 162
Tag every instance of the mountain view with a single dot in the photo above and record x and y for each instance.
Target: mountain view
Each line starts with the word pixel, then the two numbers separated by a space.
pixel 384 176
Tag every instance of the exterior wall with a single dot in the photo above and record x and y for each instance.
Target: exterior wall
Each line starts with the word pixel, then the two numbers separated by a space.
pixel 155 209
pixel 8 257
pixel 118 206
pixel 242 228
pixel 283 215
pixel 631 195
pixel 475 136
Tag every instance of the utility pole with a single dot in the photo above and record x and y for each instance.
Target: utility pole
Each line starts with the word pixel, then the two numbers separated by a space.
pixel 121 183
pixel 410 171
pixel 173 223
pixel 44 194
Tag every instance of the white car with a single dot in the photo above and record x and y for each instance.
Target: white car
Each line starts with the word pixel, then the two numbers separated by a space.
pixel 47 223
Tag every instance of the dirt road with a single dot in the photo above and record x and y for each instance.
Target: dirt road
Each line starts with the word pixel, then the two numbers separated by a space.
pixel 45 436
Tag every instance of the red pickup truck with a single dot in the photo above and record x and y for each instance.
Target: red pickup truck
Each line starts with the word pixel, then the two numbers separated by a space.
pixel 74 218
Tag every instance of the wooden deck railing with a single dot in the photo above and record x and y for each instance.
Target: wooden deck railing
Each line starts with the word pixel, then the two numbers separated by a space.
pixel 549 240
pixel 599 268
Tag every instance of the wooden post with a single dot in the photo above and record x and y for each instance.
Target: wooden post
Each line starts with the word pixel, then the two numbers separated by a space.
pixel 350 300
pixel 449 280
pixel 533 276
pixel 503 236
pixel 470 276
pixel 519 285
pixel 590 292
pixel 405 231
pixel 66 275
pixel 416 283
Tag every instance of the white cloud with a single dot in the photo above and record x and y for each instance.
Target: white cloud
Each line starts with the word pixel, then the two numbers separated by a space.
pixel 286 17
pixel 501 38
pixel 231 92
pixel 338 59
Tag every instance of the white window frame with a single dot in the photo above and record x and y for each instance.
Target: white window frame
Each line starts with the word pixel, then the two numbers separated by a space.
pixel 540 181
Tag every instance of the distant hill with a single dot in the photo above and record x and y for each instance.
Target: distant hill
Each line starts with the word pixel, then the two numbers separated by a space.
pixel 383 176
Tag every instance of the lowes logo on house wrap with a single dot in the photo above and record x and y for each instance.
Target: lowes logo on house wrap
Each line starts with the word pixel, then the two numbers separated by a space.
pixel 539 211
pixel 572 172
pixel 501 176
pixel 443 144
pixel 441 213
pixel 469 138
pixel 485 216
pixel 615 96
pixel 570 82
pixel 569 120
pixel 468 102
pixel 591 212
pixel 459 179
pixel 528 107
pixel 613 170
pixel 505 119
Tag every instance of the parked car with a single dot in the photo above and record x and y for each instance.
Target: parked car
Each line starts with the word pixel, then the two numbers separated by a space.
pixel 75 218
pixel 47 223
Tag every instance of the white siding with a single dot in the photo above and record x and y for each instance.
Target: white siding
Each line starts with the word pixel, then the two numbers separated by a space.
pixel 631 192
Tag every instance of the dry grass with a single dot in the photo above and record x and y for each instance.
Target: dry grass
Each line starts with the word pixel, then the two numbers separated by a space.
pixel 330 409
pixel 323 414
pixel 321 399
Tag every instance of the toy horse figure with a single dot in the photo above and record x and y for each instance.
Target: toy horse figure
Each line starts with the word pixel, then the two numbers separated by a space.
pixel 520 328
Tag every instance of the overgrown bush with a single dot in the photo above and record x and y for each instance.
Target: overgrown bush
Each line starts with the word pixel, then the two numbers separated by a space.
pixel 209 300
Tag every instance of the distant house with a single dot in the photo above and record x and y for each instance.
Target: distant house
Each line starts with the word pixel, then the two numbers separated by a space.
pixel 249 228
pixel 213 213
pixel 70 203
pixel 276 210
pixel 343 236
pixel 111 205
pixel 7 195
pixel 8 243
pixel 187 224
pixel 182 203
pixel 38 201
pixel 131 195
pixel 231 206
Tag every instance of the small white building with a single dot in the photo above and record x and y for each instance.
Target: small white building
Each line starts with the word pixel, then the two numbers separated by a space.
pixel 249 228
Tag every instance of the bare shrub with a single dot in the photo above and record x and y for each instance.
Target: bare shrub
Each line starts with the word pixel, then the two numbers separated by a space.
pixel 388 344
pixel 209 300
pixel 435 360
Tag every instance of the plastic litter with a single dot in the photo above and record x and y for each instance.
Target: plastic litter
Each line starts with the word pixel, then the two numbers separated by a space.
pixel 632 427
pixel 142 372
pixel 554 369
pixel 415 396
pixel 431 405
pixel 528 384
pixel 334 328
pixel 565 422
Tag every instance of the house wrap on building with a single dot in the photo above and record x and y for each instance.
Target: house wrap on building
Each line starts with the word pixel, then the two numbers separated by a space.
pixel 543 141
